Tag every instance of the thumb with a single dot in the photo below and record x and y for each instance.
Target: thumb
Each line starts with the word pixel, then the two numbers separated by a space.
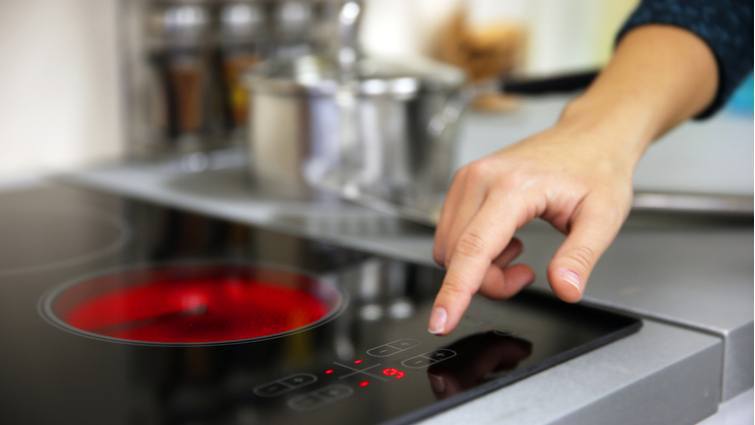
pixel 593 229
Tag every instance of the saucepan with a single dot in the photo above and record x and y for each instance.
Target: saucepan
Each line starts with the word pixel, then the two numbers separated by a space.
pixel 343 122
pixel 388 127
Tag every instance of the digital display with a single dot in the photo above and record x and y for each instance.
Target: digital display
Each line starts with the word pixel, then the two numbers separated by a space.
pixel 392 371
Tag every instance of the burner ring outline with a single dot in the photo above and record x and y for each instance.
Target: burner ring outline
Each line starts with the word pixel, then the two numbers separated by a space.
pixel 45 308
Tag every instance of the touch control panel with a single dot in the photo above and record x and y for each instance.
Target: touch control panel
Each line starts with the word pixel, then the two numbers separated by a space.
pixel 285 385
pixel 393 348
pixel 384 363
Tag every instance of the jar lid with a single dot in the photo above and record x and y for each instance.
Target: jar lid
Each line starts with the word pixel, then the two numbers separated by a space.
pixel 179 23
pixel 242 20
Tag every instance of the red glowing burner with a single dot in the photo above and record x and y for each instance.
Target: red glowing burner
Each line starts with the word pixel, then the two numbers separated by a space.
pixel 194 304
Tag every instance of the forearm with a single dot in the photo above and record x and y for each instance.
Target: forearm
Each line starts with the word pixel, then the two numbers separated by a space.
pixel 658 77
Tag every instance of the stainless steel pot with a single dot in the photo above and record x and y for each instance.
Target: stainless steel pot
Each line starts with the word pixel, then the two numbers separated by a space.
pixel 388 128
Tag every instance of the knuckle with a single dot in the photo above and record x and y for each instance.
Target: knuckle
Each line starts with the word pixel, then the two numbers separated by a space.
pixel 478 170
pixel 471 244
pixel 582 256
pixel 460 174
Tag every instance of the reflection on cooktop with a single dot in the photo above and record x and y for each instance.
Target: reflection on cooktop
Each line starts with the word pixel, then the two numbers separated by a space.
pixel 480 358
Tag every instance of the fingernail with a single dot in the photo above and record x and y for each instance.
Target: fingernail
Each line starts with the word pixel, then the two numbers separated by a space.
pixel 571 277
pixel 438 321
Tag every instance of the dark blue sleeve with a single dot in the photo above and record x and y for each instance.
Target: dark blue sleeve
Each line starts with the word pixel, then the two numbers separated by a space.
pixel 724 25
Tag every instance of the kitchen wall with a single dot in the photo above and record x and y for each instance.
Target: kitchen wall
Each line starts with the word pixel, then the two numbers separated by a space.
pixel 58 85
pixel 561 35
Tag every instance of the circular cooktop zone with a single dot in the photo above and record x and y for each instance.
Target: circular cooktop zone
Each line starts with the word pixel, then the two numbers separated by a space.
pixel 193 304
pixel 41 237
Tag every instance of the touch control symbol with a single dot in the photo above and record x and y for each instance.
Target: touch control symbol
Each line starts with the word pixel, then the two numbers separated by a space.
pixel 404 344
pixel 272 389
pixel 284 385
pixel 430 358
pixel 306 402
pixel 383 351
pixel 442 354
pixel 417 362
pixel 362 371
pixel 318 398
pixel 393 347
pixel 335 392
pixel 300 380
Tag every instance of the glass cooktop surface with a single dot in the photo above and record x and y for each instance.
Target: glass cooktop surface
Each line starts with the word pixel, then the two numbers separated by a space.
pixel 197 320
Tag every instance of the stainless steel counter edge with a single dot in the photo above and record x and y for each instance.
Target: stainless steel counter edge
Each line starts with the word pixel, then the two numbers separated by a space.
pixel 660 375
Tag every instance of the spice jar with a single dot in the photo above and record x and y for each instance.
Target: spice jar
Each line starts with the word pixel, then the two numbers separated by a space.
pixel 179 52
pixel 241 42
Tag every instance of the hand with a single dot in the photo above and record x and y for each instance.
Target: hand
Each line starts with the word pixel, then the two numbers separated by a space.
pixel 574 176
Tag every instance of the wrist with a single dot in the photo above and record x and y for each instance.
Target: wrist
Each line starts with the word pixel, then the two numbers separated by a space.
pixel 615 127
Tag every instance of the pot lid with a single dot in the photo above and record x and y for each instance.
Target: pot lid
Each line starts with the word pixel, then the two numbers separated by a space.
pixel 313 74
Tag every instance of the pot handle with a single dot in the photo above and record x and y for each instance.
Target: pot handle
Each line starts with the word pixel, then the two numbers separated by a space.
pixel 556 84
pixel 563 83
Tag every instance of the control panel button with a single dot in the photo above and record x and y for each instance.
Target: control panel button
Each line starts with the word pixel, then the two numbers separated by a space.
pixel 404 344
pixel 318 398
pixel 417 362
pixel 393 347
pixel 306 402
pixel 335 392
pixel 442 354
pixel 299 380
pixel 272 389
pixel 383 351
pixel 284 385
pixel 427 359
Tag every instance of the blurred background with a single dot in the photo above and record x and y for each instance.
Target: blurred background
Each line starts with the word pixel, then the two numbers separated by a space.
pixel 88 82
pixel 63 74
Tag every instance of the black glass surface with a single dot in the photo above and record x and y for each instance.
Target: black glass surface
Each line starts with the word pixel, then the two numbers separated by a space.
pixel 373 362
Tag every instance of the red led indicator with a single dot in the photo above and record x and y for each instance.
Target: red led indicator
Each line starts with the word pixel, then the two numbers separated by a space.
pixel 364 383
pixel 358 361
pixel 390 371
pixel 329 372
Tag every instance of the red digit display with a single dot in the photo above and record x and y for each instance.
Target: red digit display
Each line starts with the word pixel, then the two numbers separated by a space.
pixel 390 371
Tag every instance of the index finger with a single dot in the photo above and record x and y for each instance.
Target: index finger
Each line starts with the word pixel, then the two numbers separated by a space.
pixel 481 241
